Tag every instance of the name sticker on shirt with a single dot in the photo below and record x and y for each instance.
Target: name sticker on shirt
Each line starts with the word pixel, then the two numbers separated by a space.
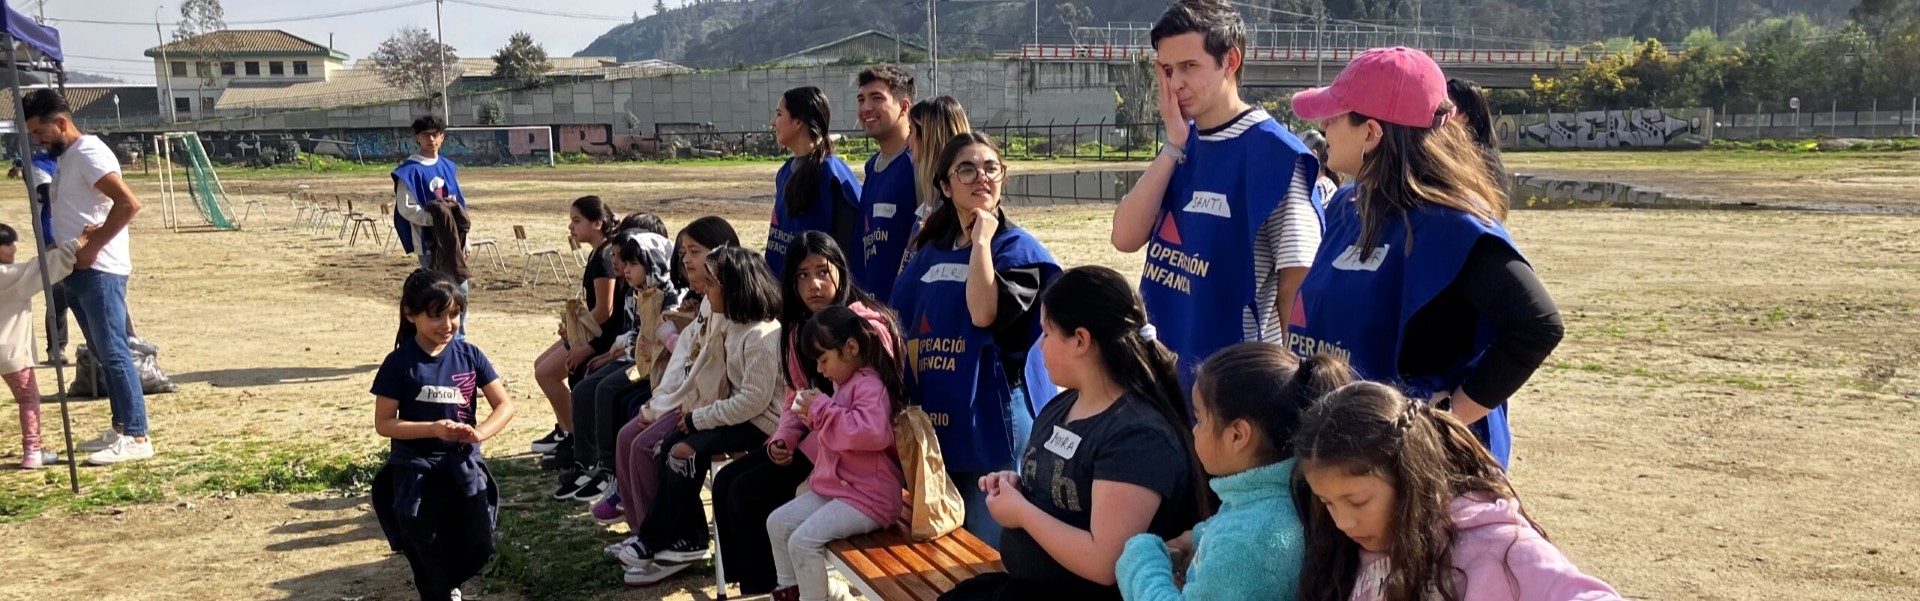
pixel 1350 260
pixel 1063 443
pixel 885 210
pixel 443 395
pixel 1210 203
pixel 945 272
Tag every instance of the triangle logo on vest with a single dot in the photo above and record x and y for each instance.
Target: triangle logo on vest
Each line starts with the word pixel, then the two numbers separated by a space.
pixel 1169 232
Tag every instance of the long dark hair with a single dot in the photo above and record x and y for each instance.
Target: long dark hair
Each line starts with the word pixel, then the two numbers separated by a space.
pixel 1419 166
pixel 793 311
pixel 1268 387
pixel 943 226
pixel 1471 102
pixel 591 208
pixel 1427 456
pixel 808 105
pixel 747 287
pixel 832 327
pixel 712 232
pixel 1103 302
pixel 427 292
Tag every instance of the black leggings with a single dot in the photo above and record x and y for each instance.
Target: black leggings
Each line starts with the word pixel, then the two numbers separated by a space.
pixel 745 492
pixel 676 514
pixel 599 409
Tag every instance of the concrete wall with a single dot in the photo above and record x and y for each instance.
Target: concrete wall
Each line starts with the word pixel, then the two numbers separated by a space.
pixel 1642 128
pixel 1845 124
pixel 994 92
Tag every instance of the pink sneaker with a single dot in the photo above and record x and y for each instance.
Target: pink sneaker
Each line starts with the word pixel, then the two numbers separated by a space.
pixel 608 514
pixel 34 460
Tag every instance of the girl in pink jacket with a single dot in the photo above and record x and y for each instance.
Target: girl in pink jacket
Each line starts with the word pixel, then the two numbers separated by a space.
pixel 1412 508
pixel 856 483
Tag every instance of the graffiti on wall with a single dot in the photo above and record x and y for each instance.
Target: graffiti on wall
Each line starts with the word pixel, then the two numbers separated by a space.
pixel 466 146
pixel 1638 128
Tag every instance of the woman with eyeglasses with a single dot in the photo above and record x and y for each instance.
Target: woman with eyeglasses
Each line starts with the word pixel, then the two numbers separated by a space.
pixel 967 307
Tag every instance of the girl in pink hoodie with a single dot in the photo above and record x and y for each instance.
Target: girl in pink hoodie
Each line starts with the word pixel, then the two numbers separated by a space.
pixel 1412 508
pixel 856 483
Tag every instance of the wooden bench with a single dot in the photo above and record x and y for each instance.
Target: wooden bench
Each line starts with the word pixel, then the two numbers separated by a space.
pixel 890 566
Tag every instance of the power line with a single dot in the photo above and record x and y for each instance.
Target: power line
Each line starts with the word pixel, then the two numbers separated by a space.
pixel 332 15
pixel 541 12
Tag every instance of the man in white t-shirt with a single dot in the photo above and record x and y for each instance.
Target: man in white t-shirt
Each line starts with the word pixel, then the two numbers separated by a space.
pixel 88 191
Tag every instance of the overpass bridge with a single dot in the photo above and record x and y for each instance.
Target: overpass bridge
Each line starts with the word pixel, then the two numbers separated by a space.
pixel 1302 67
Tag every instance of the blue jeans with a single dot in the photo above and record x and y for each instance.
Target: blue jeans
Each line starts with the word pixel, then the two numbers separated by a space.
pixel 979 522
pixel 99 303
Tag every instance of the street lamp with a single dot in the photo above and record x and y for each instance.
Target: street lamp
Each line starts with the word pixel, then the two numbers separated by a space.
pixel 116 111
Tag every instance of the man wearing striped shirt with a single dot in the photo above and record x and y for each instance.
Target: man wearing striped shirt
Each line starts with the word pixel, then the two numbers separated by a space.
pixel 1226 212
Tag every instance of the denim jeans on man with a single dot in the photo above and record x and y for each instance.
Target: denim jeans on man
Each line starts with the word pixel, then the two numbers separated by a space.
pixel 99 303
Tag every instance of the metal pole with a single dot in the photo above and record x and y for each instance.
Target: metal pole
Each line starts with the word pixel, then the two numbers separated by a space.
pixel 27 174
pixel 1036 22
pixel 1873 121
pixel 1833 118
pixel 1319 48
pixel 933 46
pixel 439 54
pixel 166 68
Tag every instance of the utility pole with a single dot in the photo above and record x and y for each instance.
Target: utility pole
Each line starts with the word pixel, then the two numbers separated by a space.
pixel 1036 23
pixel 440 55
pixel 933 43
pixel 166 69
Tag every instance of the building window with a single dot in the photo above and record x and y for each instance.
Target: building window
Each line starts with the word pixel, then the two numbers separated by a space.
pixel 202 69
pixel 299 67
pixel 206 104
pixel 183 105
pixel 277 68
pixel 253 68
pixel 178 68
pixel 226 68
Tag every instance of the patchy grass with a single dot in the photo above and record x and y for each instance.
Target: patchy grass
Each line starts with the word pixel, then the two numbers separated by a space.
pixel 229 469
pixel 550 550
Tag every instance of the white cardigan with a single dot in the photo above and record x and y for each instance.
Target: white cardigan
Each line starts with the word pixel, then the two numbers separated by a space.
pixel 751 352
pixel 18 283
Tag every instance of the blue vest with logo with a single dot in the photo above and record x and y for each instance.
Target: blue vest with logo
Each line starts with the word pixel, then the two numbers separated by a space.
pixel 839 191
pixel 1359 309
pixel 886 223
pixel 954 368
pixel 1199 275
pixel 427 183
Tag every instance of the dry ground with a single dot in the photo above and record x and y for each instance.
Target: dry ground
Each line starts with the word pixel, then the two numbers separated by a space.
pixel 1731 417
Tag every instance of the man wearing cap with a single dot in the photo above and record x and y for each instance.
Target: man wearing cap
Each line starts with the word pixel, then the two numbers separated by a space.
pixel 1227 212
pixel 1417 284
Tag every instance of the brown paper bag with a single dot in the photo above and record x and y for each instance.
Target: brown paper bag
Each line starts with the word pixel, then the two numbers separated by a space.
pixel 934 505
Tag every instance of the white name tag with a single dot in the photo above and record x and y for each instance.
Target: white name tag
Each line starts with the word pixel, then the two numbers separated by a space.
pixel 945 272
pixel 1063 443
pixel 885 210
pixel 442 395
pixel 1210 203
pixel 1350 260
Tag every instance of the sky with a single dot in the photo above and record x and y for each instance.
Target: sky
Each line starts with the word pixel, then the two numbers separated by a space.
pixel 476 31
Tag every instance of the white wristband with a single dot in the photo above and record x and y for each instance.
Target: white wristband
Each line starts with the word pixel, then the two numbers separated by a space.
pixel 1179 156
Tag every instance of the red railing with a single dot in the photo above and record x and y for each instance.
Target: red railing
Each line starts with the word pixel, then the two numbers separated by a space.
pixel 1104 52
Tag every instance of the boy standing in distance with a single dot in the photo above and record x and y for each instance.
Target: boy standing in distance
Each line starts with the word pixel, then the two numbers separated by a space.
pixel 1223 235
pixel 886 92
pixel 420 180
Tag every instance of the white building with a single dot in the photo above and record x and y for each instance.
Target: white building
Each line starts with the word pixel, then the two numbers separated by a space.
pixel 193 73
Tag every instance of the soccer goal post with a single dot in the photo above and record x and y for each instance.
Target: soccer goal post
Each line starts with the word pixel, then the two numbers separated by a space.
pixel 513 144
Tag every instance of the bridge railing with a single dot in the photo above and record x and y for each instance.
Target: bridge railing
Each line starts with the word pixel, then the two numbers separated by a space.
pixel 1461 56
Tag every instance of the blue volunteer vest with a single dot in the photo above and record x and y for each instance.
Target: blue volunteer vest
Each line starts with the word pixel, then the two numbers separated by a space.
pixel 427 183
pixel 836 183
pixel 886 223
pixel 955 369
pixel 1199 274
pixel 1359 310
pixel 46 166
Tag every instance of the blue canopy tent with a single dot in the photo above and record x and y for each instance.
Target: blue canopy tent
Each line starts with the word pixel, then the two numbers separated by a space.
pixel 36 47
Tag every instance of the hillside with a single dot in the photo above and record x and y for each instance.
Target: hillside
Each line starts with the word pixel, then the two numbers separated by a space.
pixel 718 33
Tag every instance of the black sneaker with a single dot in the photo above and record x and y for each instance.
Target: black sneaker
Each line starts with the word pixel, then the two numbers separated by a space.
pixel 546 444
pixel 684 552
pixel 571 483
pixel 598 483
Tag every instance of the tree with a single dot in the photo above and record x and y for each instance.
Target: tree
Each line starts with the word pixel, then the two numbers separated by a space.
pixel 1072 17
pixel 659 8
pixel 199 20
pixel 413 61
pixel 522 60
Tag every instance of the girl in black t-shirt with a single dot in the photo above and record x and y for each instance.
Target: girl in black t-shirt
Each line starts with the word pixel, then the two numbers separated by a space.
pixel 1109 458
pixel 590 221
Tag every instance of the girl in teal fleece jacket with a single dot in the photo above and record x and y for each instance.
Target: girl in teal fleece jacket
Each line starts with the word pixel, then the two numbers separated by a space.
pixel 1247 401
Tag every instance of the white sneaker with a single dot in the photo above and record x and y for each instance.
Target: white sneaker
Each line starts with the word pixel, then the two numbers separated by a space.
pixel 96 445
pixel 652 574
pixel 123 449
pixel 455 595
pixel 39 459
pixel 613 550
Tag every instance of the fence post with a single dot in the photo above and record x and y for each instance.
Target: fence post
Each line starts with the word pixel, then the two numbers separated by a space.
pixel 1076 137
pixel 1100 139
pixel 1050 123
pixel 1873 122
pixel 1913 115
pixel 1833 119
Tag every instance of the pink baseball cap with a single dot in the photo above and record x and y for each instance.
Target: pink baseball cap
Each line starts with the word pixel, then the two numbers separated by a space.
pixel 1397 85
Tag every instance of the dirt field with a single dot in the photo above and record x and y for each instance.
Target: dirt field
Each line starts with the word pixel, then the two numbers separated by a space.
pixel 1732 416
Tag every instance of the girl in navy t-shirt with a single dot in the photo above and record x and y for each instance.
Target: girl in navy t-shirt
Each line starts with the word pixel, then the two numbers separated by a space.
pixel 435 498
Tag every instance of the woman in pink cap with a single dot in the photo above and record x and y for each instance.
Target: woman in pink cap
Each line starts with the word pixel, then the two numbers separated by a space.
pixel 1416 282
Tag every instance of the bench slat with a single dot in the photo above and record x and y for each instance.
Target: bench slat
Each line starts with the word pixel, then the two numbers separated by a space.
pixel 916 558
pixel 906 576
pixel 897 568
pixel 873 576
